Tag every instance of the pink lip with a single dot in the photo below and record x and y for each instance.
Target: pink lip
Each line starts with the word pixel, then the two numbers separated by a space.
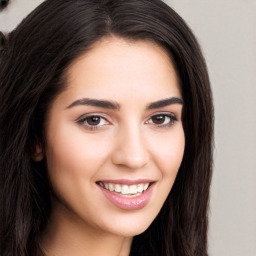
pixel 126 203
pixel 128 181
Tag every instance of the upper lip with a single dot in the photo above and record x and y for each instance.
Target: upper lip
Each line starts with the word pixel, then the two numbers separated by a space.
pixel 127 181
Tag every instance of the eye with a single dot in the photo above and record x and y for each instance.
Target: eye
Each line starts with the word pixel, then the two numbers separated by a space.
pixel 92 122
pixel 162 120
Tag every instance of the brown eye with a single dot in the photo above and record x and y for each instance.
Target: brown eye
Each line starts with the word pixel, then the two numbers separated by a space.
pixel 159 119
pixel 162 120
pixel 93 120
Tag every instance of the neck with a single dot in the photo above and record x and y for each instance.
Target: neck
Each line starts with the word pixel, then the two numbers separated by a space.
pixel 66 235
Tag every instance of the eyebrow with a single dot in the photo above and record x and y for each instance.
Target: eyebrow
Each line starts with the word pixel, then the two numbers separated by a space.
pixel 165 103
pixel 95 103
pixel 115 106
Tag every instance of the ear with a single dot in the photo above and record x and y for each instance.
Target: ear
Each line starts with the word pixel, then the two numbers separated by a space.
pixel 38 155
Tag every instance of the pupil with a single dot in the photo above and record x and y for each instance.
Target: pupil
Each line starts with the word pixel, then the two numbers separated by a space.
pixel 93 120
pixel 158 119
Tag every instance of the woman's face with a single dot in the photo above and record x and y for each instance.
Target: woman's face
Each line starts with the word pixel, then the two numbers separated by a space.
pixel 117 127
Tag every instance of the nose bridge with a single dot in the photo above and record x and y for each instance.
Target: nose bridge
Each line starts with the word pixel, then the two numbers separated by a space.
pixel 131 148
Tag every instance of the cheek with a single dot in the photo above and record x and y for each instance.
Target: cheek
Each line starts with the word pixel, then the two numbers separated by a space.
pixel 64 166
pixel 75 155
pixel 168 153
pixel 73 163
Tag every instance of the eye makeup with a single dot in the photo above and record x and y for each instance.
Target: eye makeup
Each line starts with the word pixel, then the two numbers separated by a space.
pixel 163 120
pixel 95 121
pixel 92 121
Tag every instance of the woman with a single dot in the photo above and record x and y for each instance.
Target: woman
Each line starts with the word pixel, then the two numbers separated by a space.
pixel 106 132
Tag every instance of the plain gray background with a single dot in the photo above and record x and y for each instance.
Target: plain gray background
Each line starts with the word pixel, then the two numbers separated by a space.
pixel 226 31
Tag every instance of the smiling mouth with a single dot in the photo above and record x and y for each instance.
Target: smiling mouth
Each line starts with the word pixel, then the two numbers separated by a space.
pixel 125 190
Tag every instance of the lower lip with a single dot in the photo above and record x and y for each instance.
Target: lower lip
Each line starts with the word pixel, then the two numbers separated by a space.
pixel 129 203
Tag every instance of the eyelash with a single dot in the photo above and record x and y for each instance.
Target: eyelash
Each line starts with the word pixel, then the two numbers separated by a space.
pixel 171 122
pixel 83 121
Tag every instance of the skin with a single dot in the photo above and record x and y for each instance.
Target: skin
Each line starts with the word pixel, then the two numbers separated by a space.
pixel 126 144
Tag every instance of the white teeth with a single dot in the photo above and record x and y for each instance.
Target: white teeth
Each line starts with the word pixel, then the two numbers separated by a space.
pixel 133 189
pixel 124 189
pixel 118 188
pixel 146 186
pixel 140 188
pixel 111 187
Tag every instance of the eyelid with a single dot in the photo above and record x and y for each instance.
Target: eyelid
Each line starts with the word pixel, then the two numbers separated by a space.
pixel 100 114
pixel 164 113
pixel 171 115
pixel 81 121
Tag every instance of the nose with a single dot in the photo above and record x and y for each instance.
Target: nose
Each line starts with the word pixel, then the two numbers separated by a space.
pixel 130 149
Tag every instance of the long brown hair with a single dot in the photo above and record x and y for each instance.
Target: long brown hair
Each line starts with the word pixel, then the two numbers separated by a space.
pixel 33 65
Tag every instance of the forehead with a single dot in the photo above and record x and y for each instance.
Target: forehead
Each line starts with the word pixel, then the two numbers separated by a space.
pixel 116 67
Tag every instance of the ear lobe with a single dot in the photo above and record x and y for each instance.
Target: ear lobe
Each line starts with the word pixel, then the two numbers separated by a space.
pixel 38 155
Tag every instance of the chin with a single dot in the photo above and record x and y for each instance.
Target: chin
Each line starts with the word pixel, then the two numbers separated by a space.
pixel 129 224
